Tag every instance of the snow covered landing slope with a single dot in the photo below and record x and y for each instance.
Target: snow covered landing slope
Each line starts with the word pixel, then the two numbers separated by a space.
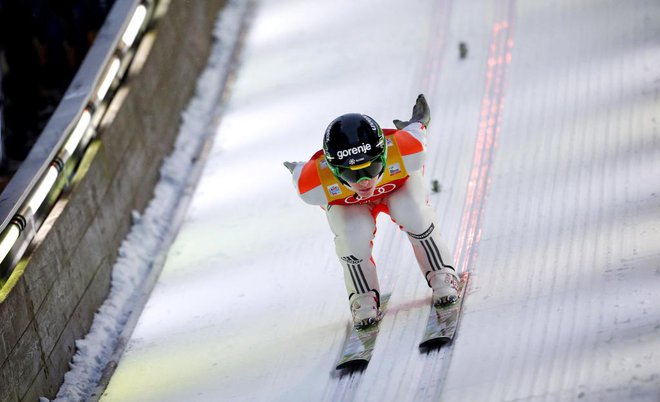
pixel 545 141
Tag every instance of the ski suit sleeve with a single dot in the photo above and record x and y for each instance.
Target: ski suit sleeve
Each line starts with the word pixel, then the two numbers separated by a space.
pixel 308 184
pixel 412 144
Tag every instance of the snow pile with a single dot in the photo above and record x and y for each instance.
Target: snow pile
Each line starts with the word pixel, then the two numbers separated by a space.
pixel 150 231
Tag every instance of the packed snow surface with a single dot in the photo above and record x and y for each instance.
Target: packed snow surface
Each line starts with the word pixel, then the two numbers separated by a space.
pixel 545 143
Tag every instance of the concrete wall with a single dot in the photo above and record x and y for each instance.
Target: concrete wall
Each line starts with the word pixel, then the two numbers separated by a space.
pixel 67 274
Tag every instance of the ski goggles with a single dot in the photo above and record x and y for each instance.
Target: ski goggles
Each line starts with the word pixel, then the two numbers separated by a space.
pixel 365 171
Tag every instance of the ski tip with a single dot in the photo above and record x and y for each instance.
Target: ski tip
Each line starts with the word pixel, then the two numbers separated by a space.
pixel 353 365
pixel 434 343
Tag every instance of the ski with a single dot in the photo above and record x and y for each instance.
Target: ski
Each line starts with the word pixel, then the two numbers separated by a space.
pixel 443 321
pixel 359 345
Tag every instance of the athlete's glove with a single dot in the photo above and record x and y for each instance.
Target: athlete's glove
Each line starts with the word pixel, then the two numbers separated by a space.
pixel 420 114
pixel 292 165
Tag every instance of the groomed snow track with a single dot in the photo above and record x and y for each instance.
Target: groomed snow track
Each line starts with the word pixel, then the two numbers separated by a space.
pixel 545 142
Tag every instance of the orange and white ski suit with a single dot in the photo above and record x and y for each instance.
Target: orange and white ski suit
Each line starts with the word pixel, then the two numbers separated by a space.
pixel 400 192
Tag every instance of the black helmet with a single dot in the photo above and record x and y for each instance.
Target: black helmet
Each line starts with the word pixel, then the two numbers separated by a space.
pixel 354 147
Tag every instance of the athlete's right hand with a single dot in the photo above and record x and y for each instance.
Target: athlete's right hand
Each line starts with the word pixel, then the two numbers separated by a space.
pixel 292 165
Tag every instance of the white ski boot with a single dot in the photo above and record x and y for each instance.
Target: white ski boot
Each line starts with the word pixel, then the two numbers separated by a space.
pixel 445 286
pixel 364 308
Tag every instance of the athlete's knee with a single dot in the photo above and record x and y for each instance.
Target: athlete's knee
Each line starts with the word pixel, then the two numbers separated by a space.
pixel 353 236
pixel 415 218
pixel 352 226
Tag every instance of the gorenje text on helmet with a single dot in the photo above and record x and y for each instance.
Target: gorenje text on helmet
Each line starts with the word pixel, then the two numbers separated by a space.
pixel 353 151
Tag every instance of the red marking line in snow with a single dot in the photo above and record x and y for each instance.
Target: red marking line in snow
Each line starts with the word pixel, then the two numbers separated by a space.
pixel 484 151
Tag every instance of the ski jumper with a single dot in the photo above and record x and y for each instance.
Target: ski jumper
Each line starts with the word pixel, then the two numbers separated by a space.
pixel 400 192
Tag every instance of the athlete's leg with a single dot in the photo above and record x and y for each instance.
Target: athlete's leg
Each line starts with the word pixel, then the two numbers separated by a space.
pixel 410 209
pixel 354 227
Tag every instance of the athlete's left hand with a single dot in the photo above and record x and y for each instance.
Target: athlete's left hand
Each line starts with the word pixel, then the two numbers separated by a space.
pixel 421 113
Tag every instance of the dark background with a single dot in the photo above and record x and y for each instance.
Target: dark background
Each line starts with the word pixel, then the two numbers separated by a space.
pixel 42 44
